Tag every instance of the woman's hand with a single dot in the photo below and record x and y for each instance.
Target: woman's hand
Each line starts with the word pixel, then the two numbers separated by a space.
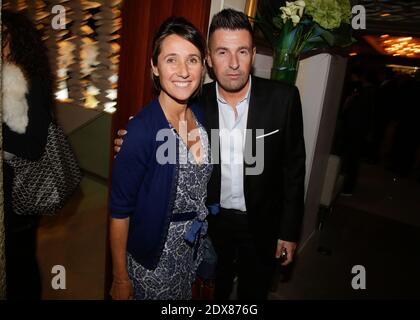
pixel 122 290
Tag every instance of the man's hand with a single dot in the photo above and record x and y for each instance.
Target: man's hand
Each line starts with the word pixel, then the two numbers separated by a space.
pixel 289 248
pixel 119 141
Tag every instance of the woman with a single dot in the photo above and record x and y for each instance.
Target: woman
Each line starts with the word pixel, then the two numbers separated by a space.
pixel 160 176
pixel 27 113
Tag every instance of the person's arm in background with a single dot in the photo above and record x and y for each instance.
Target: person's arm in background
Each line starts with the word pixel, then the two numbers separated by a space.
pixel 31 144
pixel 294 179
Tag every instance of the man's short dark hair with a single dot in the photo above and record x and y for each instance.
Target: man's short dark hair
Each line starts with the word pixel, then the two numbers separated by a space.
pixel 230 19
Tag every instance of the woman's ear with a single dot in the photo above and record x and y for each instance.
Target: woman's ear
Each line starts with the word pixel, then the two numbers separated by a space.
pixel 155 70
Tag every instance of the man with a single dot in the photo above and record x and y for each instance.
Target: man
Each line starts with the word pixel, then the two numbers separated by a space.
pixel 260 214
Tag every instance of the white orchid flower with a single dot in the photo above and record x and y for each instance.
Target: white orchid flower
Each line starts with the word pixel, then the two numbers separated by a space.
pixel 300 3
pixel 301 11
pixel 292 10
pixel 284 17
pixel 295 19
pixel 287 11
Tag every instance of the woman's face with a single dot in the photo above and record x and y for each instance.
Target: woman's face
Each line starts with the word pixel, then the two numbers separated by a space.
pixel 179 68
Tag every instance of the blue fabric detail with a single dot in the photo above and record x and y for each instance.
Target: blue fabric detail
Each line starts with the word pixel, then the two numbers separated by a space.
pixel 194 232
pixel 214 208
pixel 193 235
pixel 185 216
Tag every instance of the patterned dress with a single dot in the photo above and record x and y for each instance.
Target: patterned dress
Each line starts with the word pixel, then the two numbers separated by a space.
pixel 175 272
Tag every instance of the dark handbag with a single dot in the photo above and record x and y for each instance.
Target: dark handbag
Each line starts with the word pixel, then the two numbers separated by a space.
pixel 42 187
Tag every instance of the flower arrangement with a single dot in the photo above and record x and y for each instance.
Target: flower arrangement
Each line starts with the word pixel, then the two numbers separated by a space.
pixel 300 26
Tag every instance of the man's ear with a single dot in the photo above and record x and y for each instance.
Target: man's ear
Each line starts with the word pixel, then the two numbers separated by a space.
pixel 254 52
pixel 154 68
pixel 208 59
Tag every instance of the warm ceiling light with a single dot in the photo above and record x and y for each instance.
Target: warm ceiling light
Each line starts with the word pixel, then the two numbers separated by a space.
pixel 401 46
pixel 385 14
pixel 385 36
pixel 405 39
pixel 353 54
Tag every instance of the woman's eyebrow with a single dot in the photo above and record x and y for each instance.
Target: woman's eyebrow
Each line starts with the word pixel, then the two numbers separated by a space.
pixel 169 54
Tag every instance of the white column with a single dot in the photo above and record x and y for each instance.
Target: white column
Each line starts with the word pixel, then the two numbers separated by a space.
pixel 320 79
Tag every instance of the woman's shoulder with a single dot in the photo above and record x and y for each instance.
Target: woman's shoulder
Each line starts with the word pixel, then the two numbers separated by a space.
pixel 147 122
pixel 145 116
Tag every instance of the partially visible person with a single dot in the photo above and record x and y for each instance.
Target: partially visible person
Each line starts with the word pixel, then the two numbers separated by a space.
pixel 407 132
pixel 27 112
pixel 157 207
pixel 356 124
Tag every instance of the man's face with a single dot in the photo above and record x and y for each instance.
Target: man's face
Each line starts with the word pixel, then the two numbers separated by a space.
pixel 231 55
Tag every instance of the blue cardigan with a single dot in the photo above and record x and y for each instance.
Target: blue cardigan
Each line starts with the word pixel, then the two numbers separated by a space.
pixel 142 188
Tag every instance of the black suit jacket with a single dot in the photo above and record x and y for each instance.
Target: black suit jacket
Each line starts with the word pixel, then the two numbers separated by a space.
pixel 275 198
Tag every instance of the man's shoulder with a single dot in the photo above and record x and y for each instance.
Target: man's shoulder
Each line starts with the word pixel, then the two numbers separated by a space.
pixel 207 95
pixel 208 87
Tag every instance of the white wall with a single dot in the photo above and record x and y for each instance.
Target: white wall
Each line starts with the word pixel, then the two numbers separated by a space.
pixel 218 5
pixel 320 79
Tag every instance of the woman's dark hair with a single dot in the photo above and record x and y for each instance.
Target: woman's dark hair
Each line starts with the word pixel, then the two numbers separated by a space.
pixel 27 50
pixel 183 28
pixel 230 19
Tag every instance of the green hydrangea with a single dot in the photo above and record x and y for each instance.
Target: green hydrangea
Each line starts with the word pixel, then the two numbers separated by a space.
pixel 345 8
pixel 329 14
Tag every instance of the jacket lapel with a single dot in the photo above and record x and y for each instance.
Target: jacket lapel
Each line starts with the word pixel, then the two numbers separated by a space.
pixel 211 108
pixel 254 121
pixel 211 112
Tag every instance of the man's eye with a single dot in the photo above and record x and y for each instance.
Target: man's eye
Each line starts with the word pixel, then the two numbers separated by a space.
pixel 243 52
pixel 170 60
pixel 221 53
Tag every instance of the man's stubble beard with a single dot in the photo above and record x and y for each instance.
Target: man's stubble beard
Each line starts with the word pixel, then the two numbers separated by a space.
pixel 233 86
